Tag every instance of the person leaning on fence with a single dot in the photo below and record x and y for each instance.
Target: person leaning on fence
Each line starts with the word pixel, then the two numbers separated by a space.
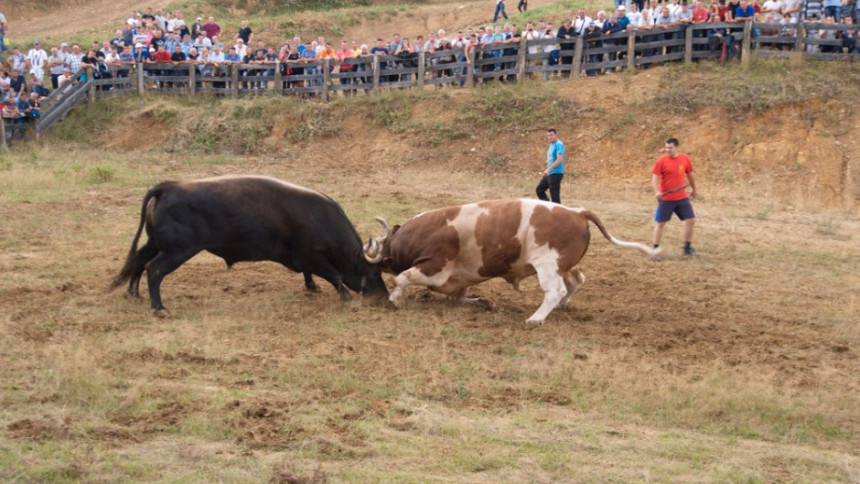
pixel 848 36
pixel 593 39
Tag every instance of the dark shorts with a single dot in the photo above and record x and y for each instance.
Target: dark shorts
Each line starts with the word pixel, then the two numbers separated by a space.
pixel 682 208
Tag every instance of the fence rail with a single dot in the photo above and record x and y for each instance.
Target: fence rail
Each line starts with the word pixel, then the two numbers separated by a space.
pixel 511 61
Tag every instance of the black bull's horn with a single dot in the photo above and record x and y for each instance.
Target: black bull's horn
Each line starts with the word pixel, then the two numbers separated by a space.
pixel 373 247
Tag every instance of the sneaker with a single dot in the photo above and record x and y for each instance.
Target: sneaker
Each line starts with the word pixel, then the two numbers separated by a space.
pixel 691 252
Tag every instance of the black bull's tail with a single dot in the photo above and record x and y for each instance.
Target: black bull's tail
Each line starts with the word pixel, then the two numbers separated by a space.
pixel 643 248
pixel 131 260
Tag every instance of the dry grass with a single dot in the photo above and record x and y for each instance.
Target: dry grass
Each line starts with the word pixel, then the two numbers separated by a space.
pixel 740 366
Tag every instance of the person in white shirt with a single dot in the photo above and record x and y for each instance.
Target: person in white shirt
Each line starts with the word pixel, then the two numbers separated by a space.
pixel 580 22
pixel 37 58
pixel 634 15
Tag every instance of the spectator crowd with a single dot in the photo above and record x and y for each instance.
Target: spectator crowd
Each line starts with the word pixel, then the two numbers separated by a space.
pixel 166 38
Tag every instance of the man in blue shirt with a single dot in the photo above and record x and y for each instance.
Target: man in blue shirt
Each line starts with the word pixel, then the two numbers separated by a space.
pixel 551 177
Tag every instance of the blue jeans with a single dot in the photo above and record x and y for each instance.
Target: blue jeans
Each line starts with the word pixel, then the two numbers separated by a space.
pixel 833 12
pixel 500 7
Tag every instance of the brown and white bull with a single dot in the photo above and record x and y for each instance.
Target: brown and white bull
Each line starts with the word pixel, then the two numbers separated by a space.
pixel 452 248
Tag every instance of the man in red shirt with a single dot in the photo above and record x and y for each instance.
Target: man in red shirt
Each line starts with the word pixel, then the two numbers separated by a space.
pixel 671 175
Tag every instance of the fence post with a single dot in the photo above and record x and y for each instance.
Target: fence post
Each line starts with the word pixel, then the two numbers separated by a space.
pixel 192 79
pixel 3 132
pixel 326 78
pixel 800 40
pixel 746 42
pixel 688 44
pixel 376 74
pixel 422 68
pixel 141 84
pixel 521 60
pixel 631 50
pixel 470 68
pixel 234 81
pixel 577 57
pixel 92 92
pixel 279 80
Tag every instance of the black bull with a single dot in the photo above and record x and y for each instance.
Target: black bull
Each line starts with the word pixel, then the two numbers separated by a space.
pixel 247 218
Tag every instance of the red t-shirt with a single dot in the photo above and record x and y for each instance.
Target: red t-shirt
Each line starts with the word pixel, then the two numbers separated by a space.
pixel 161 56
pixel 673 174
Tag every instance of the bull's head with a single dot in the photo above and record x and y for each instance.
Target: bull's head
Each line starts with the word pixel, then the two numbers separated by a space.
pixel 373 247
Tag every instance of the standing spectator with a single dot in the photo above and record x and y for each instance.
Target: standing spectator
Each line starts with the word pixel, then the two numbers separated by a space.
pixel 533 48
pixel 635 15
pixel 552 50
pixel 212 29
pixel 849 11
pixel 4 81
pixel 245 33
pixel 792 8
pixel 342 55
pixel 3 27
pixel 566 33
pixel 196 27
pixel 832 8
pixel 17 61
pixel 141 53
pixel 551 177
pixel 179 25
pixel 593 40
pixel 670 177
pixel 581 22
pixel 55 63
pixel 242 48
pixel 74 59
pixel 811 9
pixel 500 8
pixel 523 6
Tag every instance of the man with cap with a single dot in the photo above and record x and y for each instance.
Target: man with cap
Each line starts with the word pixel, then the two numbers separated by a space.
pixel 36 60
pixel 55 64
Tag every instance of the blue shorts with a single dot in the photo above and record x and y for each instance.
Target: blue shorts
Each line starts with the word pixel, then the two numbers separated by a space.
pixel 682 208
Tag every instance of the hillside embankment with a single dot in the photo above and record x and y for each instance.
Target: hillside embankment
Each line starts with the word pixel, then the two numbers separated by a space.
pixel 788 133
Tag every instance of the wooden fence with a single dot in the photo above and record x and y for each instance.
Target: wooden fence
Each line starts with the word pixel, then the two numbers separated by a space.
pixel 546 58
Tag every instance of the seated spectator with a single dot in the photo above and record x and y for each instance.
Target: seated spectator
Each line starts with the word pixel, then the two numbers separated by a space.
pixel 4 80
pixel 25 109
pixel 17 83
pixel 827 34
pixel 37 86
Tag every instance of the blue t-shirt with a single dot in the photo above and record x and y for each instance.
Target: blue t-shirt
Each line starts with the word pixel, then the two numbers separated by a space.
pixel 555 152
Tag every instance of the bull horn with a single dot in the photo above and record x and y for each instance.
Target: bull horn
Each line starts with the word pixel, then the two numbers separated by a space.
pixel 384 225
pixel 372 253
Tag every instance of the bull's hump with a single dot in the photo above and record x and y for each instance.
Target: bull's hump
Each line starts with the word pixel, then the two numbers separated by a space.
pixel 227 179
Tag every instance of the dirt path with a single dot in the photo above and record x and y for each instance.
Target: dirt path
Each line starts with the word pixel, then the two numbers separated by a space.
pixel 103 16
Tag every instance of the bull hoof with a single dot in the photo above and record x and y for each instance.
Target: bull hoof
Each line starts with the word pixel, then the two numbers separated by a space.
pixel 488 304
pixel 161 313
pixel 533 323
pixel 313 289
